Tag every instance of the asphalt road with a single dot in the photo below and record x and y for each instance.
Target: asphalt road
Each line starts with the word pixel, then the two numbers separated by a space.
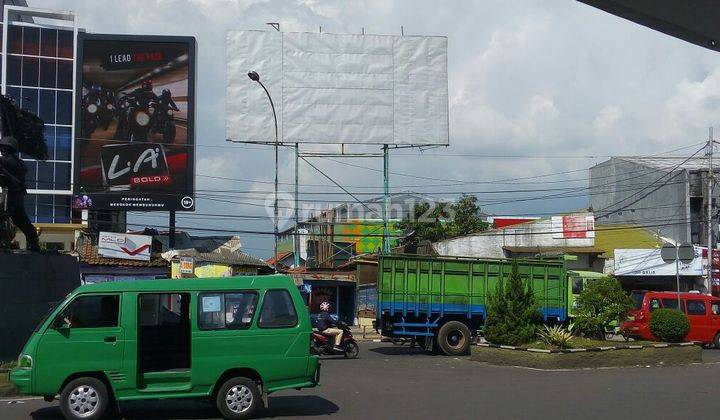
pixel 398 382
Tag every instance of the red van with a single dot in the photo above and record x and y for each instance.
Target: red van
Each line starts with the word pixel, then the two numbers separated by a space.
pixel 703 311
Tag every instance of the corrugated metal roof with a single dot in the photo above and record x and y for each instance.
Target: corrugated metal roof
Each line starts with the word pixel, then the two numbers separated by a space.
pixel 223 256
pixel 546 249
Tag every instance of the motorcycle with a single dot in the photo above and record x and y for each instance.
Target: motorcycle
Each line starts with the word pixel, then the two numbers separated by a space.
pixel 321 344
pixel 91 116
pixel 163 121
pixel 138 118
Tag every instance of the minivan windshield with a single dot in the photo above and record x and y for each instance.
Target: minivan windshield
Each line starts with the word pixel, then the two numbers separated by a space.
pixel 637 297
pixel 52 305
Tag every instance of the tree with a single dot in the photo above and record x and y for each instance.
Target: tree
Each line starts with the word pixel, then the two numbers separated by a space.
pixel 438 221
pixel 513 316
pixel 601 303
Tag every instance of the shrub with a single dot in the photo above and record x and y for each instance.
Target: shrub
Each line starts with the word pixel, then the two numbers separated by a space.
pixel 556 336
pixel 601 303
pixel 513 317
pixel 669 325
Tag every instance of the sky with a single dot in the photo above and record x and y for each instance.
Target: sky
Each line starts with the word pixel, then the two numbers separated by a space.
pixel 535 88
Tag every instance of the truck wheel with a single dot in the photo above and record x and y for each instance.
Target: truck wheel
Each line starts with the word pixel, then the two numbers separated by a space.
pixel 84 398
pixel 238 398
pixel 454 338
pixel 716 341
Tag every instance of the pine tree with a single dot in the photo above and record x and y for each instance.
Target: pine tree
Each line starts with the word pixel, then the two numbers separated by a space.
pixel 513 316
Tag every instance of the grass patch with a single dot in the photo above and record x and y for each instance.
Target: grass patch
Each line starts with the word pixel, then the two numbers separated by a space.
pixel 585 343
pixel 592 359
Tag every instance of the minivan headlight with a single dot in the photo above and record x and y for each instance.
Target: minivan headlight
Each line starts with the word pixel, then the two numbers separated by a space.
pixel 25 361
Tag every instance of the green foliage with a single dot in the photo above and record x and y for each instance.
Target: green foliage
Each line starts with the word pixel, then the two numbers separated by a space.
pixel 443 221
pixel 513 316
pixel 601 303
pixel 556 336
pixel 669 325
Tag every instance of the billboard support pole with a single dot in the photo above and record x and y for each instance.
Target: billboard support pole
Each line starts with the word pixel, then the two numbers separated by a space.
pixel 296 242
pixel 386 200
pixel 171 234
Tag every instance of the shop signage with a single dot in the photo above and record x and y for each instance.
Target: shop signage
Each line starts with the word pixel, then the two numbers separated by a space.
pixel 124 246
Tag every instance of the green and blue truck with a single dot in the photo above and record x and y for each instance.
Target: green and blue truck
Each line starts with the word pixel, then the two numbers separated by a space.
pixel 441 302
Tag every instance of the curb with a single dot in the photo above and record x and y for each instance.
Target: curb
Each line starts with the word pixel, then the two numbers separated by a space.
pixel 589 349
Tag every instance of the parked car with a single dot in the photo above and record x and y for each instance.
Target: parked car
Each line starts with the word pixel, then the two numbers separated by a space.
pixel 233 340
pixel 703 312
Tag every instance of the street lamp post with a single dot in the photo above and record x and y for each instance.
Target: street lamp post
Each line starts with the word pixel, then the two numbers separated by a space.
pixel 256 78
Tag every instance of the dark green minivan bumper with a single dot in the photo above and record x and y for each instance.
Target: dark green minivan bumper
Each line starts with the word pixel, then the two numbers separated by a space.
pixel 22 379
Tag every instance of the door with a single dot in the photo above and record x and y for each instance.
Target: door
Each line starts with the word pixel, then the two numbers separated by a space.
pixel 715 309
pixel 87 337
pixel 700 321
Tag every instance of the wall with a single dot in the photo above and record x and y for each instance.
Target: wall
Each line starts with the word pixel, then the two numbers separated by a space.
pixel 490 244
pixel 616 183
pixel 30 284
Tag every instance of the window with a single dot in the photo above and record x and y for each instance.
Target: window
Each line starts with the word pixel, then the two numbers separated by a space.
pixel 654 304
pixel 670 303
pixel 226 310
pixel 716 308
pixel 93 312
pixel 577 285
pixel 695 307
pixel 278 310
pixel 160 309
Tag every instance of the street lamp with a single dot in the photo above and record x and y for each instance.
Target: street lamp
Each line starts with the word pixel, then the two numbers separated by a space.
pixel 256 78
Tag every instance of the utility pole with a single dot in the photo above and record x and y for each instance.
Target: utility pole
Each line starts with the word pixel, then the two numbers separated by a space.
pixel 710 177
pixel 386 201
pixel 296 242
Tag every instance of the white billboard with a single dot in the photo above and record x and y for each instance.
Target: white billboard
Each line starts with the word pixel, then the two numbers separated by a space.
pixel 573 226
pixel 124 246
pixel 648 262
pixel 330 88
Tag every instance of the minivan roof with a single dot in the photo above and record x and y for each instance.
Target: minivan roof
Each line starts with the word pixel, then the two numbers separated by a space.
pixel 684 295
pixel 191 284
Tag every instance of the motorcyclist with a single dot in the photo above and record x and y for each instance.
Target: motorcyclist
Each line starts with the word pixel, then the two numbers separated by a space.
pixel 166 101
pixel 143 95
pixel 326 325
pixel 12 177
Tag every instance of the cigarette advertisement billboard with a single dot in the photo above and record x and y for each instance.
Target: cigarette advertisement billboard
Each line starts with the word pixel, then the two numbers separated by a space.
pixel 337 88
pixel 135 125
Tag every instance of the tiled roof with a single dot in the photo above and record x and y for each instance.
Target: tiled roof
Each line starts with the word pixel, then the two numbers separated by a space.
pixel 279 257
pixel 88 254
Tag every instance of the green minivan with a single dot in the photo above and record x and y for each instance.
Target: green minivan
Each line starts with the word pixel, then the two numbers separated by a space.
pixel 233 340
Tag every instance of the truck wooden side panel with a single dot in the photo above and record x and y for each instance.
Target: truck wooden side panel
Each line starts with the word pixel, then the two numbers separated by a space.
pixel 432 287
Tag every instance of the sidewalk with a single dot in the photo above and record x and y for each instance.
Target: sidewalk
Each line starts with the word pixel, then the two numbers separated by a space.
pixel 368 335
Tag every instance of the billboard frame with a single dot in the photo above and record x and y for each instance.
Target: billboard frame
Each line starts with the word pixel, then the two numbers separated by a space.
pixel 191 43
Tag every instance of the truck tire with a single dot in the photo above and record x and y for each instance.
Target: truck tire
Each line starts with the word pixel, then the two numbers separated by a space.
pixel 716 341
pixel 238 398
pixel 454 338
pixel 84 398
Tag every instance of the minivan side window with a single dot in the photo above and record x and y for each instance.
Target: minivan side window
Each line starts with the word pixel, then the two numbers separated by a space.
pixel 96 311
pixel 233 310
pixel 278 310
pixel 695 307
pixel 716 308
pixel 670 303
pixel 577 285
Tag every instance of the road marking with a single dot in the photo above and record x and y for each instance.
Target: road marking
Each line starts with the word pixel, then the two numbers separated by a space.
pixel 19 400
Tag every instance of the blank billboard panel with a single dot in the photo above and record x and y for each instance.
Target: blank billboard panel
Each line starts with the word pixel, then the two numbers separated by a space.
pixel 329 88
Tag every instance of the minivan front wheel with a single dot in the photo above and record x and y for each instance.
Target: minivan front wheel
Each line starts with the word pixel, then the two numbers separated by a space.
pixel 84 398
pixel 238 398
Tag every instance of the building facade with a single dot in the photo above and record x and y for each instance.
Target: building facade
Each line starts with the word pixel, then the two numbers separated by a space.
pixel 666 195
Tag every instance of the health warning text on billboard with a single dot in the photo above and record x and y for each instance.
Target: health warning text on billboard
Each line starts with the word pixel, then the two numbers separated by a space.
pixel 135 131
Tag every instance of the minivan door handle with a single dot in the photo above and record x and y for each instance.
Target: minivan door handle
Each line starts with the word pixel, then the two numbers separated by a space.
pixel 110 339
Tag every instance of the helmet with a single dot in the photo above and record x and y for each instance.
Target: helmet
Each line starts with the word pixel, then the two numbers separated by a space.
pixel 96 88
pixel 165 93
pixel 10 142
pixel 147 84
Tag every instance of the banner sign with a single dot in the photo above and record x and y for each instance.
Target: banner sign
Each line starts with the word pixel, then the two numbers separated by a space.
pixel 649 262
pixel 135 123
pixel 187 265
pixel 573 226
pixel 124 246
